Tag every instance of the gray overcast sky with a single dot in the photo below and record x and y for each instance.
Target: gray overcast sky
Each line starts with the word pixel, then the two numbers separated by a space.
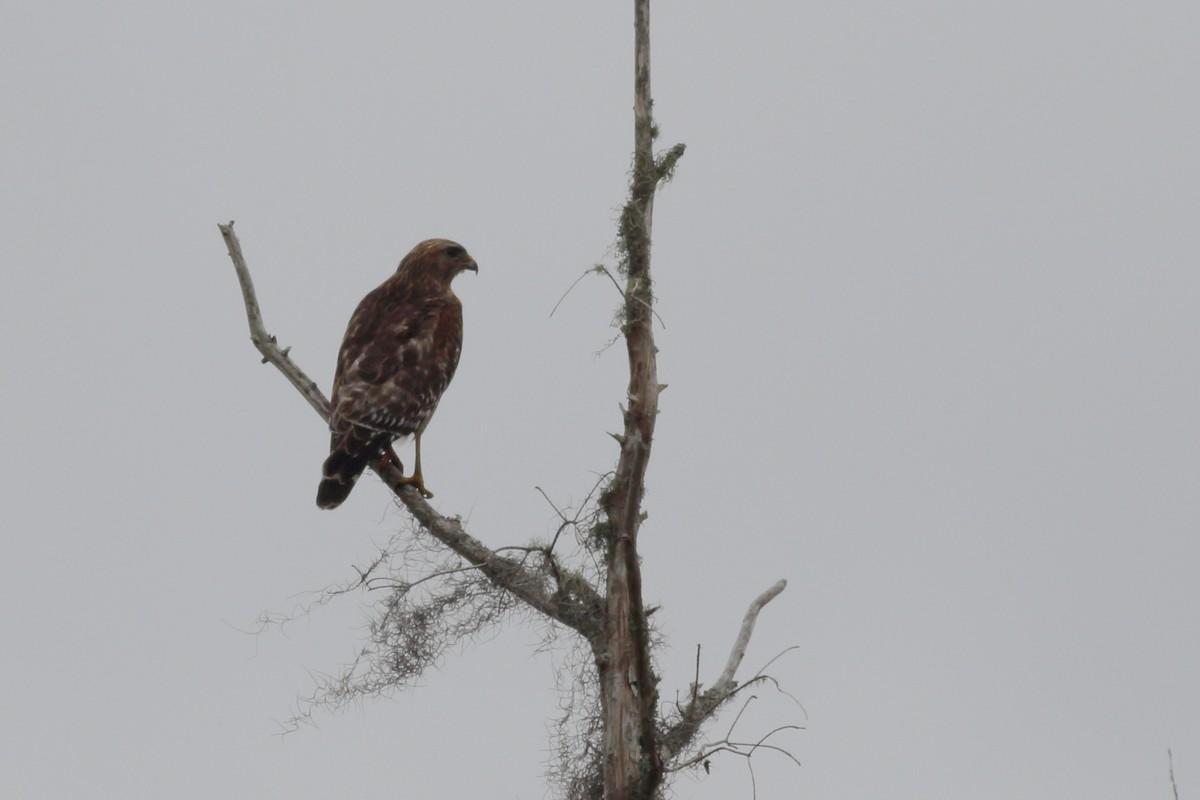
pixel 929 274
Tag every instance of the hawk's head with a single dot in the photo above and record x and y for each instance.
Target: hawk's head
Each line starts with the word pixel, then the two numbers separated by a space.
pixel 437 261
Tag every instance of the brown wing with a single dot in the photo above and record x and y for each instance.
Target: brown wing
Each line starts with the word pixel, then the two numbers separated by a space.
pixel 397 359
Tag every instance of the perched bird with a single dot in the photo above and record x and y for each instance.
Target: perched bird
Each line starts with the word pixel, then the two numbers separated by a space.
pixel 399 353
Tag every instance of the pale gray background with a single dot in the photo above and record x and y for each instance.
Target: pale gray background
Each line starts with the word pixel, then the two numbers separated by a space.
pixel 929 279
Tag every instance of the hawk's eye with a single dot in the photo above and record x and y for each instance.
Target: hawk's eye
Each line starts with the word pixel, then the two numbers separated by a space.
pixel 454 251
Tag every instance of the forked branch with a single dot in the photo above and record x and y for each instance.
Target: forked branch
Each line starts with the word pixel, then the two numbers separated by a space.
pixel 682 733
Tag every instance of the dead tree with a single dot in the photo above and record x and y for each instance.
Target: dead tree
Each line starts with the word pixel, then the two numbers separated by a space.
pixel 628 743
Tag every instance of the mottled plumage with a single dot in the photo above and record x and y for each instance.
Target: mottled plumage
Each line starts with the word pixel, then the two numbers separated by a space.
pixel 399 354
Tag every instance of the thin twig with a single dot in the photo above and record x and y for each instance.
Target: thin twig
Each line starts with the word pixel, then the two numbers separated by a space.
pixel 776 657
pixel 603 270
pixel 761 743
pixel 1171 770
pixel 572 286
pixel 728 745
pixel 631 298
pixel 738 717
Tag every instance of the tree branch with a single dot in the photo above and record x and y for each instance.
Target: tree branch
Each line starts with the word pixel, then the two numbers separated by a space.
pixel 266 344
pixel 725 683
pixel 679 736
pixel 579 610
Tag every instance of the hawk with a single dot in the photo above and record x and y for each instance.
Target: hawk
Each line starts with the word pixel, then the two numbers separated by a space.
pixel 399 353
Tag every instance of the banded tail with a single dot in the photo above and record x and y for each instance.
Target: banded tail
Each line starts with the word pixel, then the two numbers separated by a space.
pixel 348 457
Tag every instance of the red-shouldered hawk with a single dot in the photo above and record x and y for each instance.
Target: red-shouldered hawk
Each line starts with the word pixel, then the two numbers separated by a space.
pixel 399 354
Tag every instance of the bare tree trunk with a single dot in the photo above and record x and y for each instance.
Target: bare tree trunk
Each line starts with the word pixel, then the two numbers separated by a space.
pixel 628 686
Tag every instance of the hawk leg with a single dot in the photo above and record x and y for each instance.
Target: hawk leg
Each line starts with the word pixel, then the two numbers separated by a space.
pixel 416 479
pixel 388 458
